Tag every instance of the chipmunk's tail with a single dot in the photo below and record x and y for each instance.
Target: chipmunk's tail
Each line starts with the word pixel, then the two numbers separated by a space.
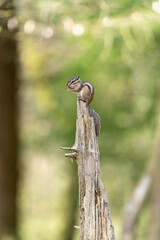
pixel 96 120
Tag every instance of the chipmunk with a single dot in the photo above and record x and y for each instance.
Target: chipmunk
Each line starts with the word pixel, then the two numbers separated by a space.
pixel 85 93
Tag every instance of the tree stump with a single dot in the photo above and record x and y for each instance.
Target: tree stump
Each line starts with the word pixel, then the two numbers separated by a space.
pixel 95 217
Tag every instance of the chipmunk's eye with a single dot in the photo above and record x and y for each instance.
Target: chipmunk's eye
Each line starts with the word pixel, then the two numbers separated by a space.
pixel 72 81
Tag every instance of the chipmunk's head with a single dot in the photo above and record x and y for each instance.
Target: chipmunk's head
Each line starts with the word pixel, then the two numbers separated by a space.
pixel 74 84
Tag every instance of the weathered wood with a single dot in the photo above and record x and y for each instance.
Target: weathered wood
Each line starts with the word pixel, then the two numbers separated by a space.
pixel 95 218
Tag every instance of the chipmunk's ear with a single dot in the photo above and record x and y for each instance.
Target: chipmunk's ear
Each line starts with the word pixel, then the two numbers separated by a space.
pixel 78 77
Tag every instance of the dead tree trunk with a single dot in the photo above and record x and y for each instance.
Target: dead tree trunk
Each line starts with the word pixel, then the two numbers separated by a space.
pixel 95 218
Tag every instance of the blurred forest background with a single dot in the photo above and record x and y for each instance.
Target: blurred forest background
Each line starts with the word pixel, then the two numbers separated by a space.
pixel 116 46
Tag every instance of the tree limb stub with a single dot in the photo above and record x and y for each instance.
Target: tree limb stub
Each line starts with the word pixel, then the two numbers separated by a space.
pixel 95 217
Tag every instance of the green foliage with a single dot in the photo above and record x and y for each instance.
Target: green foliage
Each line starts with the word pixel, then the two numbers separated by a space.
pixel 119 53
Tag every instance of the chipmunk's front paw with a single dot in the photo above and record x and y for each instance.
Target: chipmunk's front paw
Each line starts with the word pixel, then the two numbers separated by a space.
pixel 80 98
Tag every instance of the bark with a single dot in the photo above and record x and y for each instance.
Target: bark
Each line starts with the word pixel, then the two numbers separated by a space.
pixel 8 127
pixel 95 217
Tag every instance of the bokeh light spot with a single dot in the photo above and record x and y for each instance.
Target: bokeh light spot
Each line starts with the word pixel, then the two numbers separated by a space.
pixel 156 6
pixel 29 26
pixel 48 32
pixel 107 22
pixel 68 24
pixel 78 30
pixel 12 24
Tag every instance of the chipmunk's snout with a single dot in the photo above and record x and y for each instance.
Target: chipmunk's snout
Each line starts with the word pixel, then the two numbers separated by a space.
pixel 67 84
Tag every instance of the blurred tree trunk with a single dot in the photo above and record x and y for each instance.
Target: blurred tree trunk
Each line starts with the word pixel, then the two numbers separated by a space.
pixel 133 208
pixel 148 184
pixel 8 123
pixel 154 226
